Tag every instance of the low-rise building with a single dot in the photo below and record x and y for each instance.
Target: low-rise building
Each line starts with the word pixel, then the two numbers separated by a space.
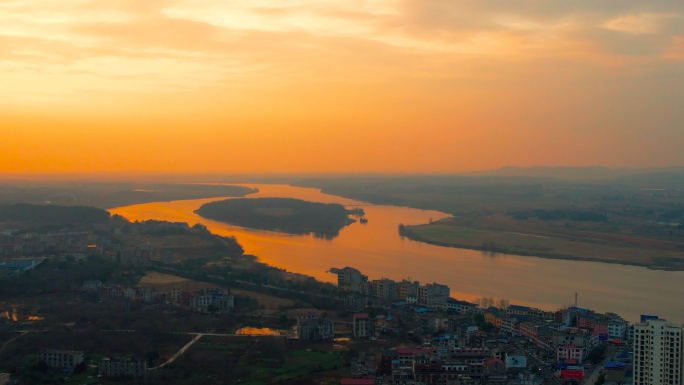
pixel 312 327
pixel 60 359
pixel 123 367
pixel 363 326
pixel 513 310
pixel 570 354
pixel 92 285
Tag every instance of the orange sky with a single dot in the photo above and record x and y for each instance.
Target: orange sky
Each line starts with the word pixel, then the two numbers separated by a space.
pixel 339 85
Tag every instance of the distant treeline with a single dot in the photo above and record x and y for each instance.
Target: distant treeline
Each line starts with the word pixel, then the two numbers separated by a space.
pixel 110 195
pixel 49 214
pixel 280 214
pixel 560 215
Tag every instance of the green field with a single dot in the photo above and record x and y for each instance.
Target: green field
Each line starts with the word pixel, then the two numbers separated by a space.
pixel 250 360
pixel 545 245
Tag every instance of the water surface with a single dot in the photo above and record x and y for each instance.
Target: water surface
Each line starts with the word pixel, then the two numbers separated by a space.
pixel 377 250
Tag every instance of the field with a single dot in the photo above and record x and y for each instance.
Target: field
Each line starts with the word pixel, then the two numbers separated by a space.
pixel 153 277
pixel 254 361
pixel 164 282
pixel 94 344
pixel 491 235
pixel 269 302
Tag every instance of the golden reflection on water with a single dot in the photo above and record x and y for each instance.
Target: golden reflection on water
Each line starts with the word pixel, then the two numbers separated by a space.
pixel 257 331
pixel 377 250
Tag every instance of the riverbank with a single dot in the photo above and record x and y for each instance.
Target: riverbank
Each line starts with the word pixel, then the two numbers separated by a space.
pixel 541 243
pixel 377 249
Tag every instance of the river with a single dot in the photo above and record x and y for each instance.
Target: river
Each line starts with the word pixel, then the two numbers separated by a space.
pixel 377 250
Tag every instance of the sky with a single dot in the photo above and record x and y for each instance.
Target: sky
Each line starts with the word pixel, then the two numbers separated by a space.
pixel 435 86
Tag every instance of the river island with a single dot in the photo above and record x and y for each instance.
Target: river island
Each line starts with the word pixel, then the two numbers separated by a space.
pixel 288 215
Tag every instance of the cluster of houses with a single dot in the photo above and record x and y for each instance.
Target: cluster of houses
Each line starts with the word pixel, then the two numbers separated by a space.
pixel 24 250
pixel 568 335
pixel 448 359
pixel 212 299
pixel 562 340
pixel 365 293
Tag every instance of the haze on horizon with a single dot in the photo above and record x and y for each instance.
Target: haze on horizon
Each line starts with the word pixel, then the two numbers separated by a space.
pixel 339 86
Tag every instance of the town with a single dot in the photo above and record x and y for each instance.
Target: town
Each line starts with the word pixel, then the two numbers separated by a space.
pixel 375 331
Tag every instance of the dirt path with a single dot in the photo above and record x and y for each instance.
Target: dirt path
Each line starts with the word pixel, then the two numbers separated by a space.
pixel 179 353
pixel 12 340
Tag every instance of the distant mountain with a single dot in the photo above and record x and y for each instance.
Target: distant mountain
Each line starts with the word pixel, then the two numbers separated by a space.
pixel 579 173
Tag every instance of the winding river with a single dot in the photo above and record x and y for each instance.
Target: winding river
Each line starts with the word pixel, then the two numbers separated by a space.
pixel 377 250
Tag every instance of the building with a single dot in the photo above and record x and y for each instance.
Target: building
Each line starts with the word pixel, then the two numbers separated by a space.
pixel 60 359
pixel 509 325
pixel 516 361
pixel 355 302
pixel 123 367
pixel 493 317
pixel 658 353
pixel 24 263
pixel 363 326
pixel 514 310
pixel 461 307
pixel 349 279
pixel 92 285
pixel 385 289
pixel 208 300
pixel 580 338
pixel 311 327
pixel 406 289
pixel 433 295
pixel 570 354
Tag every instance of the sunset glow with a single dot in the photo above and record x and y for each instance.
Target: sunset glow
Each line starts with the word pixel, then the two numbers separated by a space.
pixel 339 86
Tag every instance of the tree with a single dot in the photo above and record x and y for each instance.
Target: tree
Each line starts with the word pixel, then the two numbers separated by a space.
pixel 151 357
pixel 80 368
pixel 601 379
pixel 41 366
pixel 502 304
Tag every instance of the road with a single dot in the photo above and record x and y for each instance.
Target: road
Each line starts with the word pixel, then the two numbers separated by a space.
pixel 596 369
pixel 546 372
pixel 12 340
pixel 178 353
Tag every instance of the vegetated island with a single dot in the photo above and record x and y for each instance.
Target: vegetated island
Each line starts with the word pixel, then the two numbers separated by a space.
pixel 293 216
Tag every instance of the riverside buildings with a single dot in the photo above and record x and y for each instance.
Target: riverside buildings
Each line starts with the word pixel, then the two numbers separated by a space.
pixel 431 295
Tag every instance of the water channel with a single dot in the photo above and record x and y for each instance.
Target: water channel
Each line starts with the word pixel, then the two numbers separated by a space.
pixel 377 250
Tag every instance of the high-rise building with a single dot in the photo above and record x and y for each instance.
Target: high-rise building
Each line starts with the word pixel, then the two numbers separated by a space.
pixel 657 353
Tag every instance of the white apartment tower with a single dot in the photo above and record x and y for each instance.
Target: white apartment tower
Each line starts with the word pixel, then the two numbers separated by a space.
pixel 657 353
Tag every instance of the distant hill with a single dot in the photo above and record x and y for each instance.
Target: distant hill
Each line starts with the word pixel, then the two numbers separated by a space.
pixel 577 173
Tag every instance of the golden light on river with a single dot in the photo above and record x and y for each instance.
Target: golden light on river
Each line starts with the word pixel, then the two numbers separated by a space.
pixel 258 331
